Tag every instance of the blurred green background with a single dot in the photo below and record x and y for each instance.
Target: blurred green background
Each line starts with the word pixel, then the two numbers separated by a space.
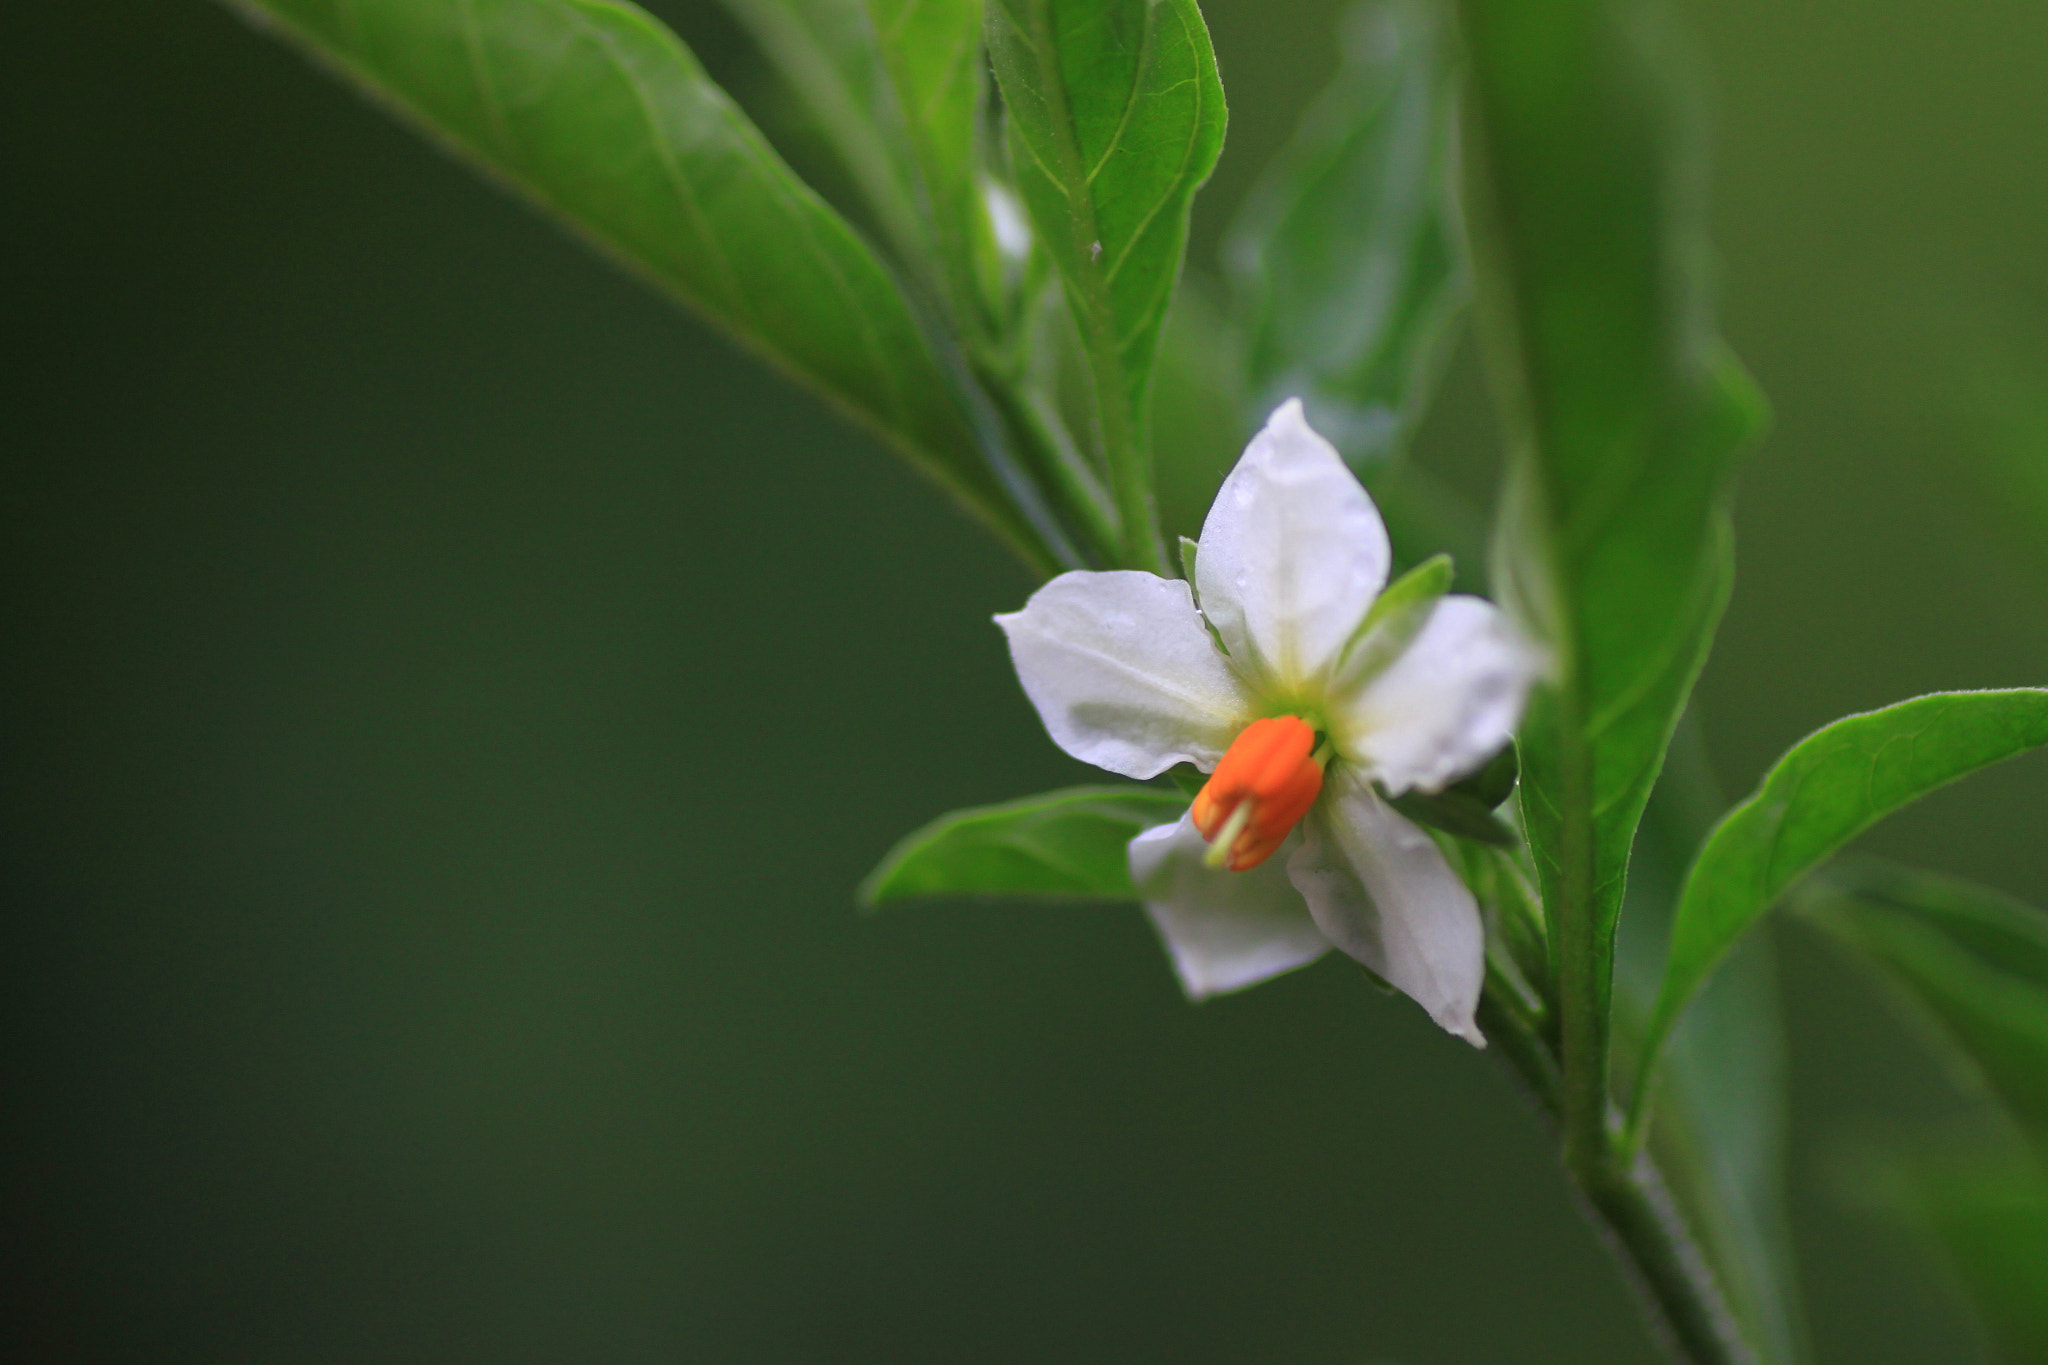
pixel 451 697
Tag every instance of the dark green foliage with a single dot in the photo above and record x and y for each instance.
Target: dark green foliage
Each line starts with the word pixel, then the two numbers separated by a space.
pixel 1346 258
pixel 1972 965
pixel 1972 961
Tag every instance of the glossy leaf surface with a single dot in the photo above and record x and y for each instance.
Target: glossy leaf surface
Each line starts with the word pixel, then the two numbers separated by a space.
pixel 1115 119
pixel 1346 256
pixel 1070 843
pixel 1828 789
pixel 597 113
pixel 896 87
pixel 933 50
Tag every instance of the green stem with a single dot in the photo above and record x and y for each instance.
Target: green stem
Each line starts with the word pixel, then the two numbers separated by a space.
pixel 1581 969
pixel 1668 1268
pixel 1629 1202
pixel 1521 1047
pixel 1069 483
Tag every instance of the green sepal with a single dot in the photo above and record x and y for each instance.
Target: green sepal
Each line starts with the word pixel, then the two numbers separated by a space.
pixel 1493 783
pixel 1375 980
pixel 1397 616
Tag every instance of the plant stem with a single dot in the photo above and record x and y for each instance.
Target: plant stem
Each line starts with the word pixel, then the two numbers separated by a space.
pixel 1069 483
pixel 1630 1204
pixel 1668 1269
pixel 1584 990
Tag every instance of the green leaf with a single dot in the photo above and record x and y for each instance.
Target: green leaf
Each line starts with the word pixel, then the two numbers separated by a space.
pixel 1986 1220
pixel 1493 783
pixel 598 114
pixel 1625 420
pixel 1828 789
pixel 1466 807
pixel 1971 961
pixel 1453 812
pixel 896 86
pixel 1971 964
pixel 1067 843
pixel 935 59
pixel 1115 119
pixel 1346 255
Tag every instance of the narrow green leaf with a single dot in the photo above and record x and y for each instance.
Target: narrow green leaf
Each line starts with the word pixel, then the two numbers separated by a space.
pixel 1972 961
pixel 1346 255
pixel 1828 789
pixel 896 87
pixel 597 113
pixel 1972 965
pixel 1625 419
pixel 1067 843
pixel 1984 1216
pixel 1115 119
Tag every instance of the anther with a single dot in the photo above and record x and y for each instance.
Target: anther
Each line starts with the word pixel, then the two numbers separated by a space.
pixel 1268 779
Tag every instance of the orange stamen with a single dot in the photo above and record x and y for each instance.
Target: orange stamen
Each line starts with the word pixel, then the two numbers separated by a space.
pixel 1269 771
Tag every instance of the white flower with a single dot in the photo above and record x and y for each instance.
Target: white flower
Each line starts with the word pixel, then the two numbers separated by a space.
pixel 1311 702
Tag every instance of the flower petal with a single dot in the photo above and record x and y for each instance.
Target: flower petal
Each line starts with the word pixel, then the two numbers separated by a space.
pixel 1446 705
pixel 1224 930
pixel 1124 674
pixel 1292 554
pixel 1379 889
